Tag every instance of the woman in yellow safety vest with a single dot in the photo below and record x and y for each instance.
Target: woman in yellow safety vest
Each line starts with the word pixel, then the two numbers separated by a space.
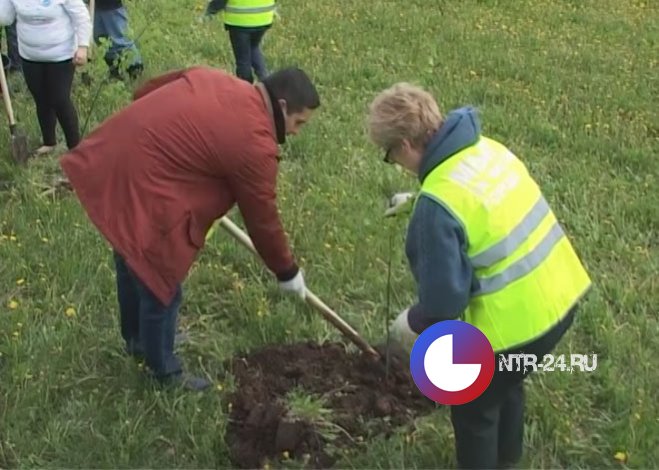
pixel 247 22
pixel 484 247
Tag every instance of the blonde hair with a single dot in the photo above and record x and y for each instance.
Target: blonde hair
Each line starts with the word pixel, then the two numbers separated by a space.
pixel 403 111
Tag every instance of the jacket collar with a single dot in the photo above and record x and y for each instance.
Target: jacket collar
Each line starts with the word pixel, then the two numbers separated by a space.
pixel 461 129
pixel 275 111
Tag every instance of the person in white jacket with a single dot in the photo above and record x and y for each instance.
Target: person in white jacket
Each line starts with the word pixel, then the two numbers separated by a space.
pixel 53 38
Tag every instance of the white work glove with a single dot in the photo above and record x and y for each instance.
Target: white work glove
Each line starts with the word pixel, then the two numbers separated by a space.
pixel 295 285
pixel 397 203
pixel 401 332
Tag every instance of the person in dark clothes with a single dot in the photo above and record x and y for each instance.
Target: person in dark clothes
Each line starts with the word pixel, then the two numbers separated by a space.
pixel 12 48
pixel 485 248
pixel 53 38
pixel 155 176
pixel 247 21
pixel 111 22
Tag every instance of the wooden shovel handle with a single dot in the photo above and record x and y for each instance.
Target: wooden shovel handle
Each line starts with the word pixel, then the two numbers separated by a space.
pixel 329 314
pixel 5 96
pixel 92 12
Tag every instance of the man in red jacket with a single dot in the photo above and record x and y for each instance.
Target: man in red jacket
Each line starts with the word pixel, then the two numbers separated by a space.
pixel 155 176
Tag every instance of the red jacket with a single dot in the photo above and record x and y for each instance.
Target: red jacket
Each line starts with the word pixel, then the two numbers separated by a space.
pixel 154 176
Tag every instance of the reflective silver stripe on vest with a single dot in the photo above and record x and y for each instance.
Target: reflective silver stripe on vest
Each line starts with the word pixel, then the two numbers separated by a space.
pixel 523 266
pixel 516 237
pixel 229 9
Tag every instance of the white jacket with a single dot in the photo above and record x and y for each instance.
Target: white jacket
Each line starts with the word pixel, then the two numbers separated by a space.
pixel 48 30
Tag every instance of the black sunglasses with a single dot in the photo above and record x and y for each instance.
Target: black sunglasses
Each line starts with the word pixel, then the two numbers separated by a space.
pixel 387 156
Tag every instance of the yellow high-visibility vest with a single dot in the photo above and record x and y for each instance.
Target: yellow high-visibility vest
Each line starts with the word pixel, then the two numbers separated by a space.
pixel 528 272
pixel 249 13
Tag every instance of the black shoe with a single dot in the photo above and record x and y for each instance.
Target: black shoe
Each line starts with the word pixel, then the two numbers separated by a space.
pixel 135 70
pixel 114 74
pixel 188 382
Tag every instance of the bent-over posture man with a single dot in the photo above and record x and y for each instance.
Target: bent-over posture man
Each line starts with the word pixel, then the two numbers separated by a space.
pixel 155 176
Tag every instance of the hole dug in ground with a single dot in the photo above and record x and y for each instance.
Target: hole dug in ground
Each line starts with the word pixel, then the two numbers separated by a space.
pixel 306 402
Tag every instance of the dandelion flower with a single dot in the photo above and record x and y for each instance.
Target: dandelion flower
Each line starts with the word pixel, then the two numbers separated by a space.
pixel 70 312
pixel 620 456
pixel 13 304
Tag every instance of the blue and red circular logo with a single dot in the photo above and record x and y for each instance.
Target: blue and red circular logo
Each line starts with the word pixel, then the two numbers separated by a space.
pixel 452 362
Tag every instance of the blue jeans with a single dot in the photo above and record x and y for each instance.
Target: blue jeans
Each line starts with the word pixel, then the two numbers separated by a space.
pixel 147 326
pixel 246 46
pixel 112 24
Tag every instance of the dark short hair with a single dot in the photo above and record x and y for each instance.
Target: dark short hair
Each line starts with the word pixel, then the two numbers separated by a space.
pixel 293 85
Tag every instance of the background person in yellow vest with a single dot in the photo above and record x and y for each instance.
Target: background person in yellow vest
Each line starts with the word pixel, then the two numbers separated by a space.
pixel 483 246
pixel 247 22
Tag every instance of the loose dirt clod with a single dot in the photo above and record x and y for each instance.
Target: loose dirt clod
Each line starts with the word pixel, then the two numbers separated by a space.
pixel 360 400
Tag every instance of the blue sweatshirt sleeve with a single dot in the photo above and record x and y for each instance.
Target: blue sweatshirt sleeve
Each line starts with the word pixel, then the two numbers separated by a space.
pixel 214 6
pixel 436 249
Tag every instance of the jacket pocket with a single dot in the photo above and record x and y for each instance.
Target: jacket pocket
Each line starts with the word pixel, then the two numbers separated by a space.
pixel 172 252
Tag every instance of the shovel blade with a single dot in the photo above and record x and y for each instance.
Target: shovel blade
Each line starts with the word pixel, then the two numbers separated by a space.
pixel 19 149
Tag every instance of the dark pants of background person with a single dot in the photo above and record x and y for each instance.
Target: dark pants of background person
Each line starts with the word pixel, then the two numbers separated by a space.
pixel 147 326
pixel 246 44
pixel 489 431
pixel 50 86
pixel 12 47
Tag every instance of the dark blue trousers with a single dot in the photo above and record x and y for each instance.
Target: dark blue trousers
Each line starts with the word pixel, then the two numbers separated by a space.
pixel 246 46
pixel 489 430
pixel 147 326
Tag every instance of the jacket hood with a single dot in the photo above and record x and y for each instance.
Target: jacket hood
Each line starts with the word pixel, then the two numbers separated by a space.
pixel 460 129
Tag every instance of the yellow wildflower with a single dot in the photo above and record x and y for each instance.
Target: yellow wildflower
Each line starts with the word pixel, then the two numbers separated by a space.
pixel 620 456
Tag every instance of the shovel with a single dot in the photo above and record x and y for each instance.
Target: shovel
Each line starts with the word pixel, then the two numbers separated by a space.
pixel 84 77
pixel 19 149
pixel 310 297
pixel 92 12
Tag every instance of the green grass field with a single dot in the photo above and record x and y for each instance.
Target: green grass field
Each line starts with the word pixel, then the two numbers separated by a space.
pixel 570 86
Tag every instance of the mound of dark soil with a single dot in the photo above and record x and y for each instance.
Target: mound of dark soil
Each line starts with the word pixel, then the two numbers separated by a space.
pixel 362 398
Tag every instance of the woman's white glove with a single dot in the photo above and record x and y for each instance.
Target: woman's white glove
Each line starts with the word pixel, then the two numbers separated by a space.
pixel 295 285
pixel 397 203
pixel 401 332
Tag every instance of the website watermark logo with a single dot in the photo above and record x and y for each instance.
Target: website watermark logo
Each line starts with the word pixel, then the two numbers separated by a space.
pixel 529 363
pixel 452 362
